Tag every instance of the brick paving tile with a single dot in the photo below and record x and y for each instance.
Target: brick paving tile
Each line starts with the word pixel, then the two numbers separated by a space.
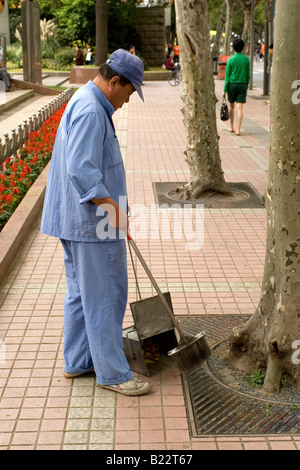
pixel 41 409
pixel 230 446
pixel 282 445
pixel 204 446
pixel 256 446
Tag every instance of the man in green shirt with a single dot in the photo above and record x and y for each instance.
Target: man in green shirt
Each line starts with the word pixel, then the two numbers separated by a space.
pixel 236 83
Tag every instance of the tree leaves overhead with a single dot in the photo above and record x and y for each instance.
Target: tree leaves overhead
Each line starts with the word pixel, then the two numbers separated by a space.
pixel 215 6
pixel 76 20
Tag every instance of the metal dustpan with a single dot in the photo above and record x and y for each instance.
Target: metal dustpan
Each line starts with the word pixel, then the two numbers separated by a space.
pixel 148 341
pixel 191 350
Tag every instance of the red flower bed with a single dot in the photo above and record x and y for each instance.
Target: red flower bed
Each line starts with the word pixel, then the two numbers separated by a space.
pixel 20 171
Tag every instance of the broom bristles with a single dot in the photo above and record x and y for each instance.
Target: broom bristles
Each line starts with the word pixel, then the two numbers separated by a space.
pixel 191 352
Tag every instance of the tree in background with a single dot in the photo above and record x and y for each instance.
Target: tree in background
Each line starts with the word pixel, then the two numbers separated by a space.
pixel 48 8
pixel 228 25
pixel 241 15
pixel 101 32
pixel 121 32
pixel 215 52
pixel 114 27
pixel 246 5
pixel 199 111
pixel 76 21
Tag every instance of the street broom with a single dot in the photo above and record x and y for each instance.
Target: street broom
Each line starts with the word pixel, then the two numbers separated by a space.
pixel 191 350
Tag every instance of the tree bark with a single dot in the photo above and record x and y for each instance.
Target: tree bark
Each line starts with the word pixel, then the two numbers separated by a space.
pixel 199 110
pixel 269 14
pixel 267 339
pixel 246 6
pixel 220 27
pixel 101 32
pixel 228 27
pixel 269 8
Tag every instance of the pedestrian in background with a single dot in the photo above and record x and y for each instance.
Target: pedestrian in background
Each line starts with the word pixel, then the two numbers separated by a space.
pixel 89 54
pixel 169 63
pixel 237 79
pixel 5 76
pixel 257 52
pixel 176 53
pixel 79 56
pixel 262 51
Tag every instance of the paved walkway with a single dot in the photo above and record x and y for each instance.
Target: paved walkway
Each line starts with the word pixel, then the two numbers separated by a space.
pixel 11 117
pixel 40 409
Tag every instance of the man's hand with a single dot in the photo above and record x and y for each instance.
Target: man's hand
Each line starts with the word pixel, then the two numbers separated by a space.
pixel 118 218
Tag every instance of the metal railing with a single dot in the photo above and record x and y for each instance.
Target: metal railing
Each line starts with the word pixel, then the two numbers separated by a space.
pixel 14 142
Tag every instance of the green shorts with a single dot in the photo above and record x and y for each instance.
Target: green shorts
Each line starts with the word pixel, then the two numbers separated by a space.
pixel 237 92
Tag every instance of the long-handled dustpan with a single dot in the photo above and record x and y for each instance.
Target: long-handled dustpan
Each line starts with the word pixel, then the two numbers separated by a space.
pixel 191 350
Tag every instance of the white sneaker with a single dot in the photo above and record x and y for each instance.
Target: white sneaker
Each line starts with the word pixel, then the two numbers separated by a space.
pixel 133 387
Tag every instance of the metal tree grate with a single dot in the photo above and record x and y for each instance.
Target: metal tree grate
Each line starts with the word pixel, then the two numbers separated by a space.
pixel 216 409
pixel 244 196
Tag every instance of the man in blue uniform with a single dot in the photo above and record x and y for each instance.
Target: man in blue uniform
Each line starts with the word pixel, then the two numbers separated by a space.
pixel 86 207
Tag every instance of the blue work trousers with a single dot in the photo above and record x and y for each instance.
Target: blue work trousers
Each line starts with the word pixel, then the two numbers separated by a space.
pixel 94 309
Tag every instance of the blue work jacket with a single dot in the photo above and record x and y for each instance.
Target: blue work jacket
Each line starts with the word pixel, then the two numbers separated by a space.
pixel 86 163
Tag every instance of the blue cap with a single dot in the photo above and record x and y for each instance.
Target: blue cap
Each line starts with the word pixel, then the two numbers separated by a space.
pixel 129 66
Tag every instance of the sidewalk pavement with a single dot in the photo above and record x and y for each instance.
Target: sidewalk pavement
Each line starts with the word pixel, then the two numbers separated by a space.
pixel 11 117
pixel 41 409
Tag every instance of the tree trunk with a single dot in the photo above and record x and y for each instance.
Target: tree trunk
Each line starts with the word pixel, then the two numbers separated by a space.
pixel 268 338
pixel 220 27
pixel 269 8
pixel 246 5
pixel 101 32
pixel 269 15
pixel 228 28
pixel 199 111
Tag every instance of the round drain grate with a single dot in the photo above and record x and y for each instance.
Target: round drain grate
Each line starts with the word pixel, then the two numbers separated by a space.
pixel 219 408
pixel 220 371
